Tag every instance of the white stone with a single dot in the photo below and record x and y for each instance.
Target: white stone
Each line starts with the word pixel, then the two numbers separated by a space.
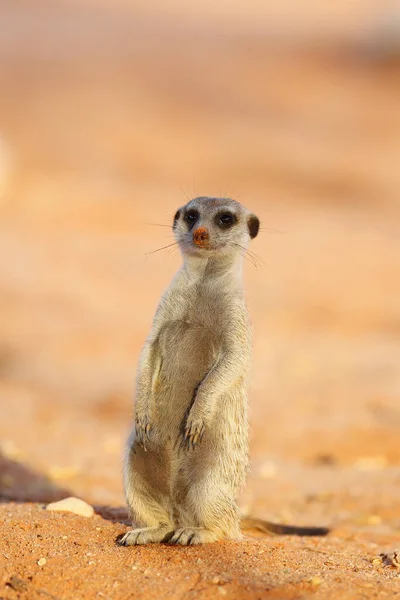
pixel 72 505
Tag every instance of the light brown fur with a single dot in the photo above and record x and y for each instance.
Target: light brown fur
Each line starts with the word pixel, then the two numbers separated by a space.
pixel 188 454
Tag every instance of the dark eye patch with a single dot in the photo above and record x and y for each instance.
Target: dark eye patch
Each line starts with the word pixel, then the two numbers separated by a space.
pixel 225 219
pixel 191 217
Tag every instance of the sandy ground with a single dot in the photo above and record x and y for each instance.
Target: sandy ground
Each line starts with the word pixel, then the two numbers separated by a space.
pixel 107 124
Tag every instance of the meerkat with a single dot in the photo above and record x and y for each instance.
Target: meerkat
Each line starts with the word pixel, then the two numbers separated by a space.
pixel 188 454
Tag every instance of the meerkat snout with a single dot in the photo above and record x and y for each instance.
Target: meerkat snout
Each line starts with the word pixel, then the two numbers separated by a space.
pixel 214 224
pixel 201 237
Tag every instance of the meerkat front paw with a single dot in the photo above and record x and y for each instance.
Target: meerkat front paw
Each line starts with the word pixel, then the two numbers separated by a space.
pixel 142 429
pixel 193 432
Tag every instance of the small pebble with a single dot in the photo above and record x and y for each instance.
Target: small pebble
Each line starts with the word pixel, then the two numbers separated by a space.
pixel 41 562
pixel 72 505
pixel 315 581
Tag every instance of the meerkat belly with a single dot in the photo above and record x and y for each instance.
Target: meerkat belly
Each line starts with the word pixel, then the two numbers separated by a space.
pixel 228 437
pixel 186 354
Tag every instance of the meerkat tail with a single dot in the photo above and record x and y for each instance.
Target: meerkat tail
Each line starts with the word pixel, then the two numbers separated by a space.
pixel 278 529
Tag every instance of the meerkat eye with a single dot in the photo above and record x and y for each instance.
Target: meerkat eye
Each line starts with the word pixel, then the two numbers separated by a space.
pixel 191 216
pixel 226 219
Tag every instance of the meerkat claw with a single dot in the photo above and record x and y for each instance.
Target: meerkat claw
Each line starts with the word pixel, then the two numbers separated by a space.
pixel 142 429
pixel 193 435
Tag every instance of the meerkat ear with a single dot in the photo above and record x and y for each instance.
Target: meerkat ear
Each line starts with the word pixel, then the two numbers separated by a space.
pixel 253 224
pixel 176 217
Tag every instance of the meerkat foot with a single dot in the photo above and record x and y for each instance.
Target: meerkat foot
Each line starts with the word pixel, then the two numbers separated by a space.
pixel 145 535
pixel 189 536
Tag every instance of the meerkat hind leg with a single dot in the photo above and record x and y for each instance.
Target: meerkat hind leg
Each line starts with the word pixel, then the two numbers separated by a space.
pixel 146 496
pixel 145 535
pixel 210 514
pixel 186 536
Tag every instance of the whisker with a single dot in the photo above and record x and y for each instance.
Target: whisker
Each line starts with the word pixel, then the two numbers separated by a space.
pixel 272 230
pixel 162 248
pixel 257 260
pixel 245 253
pixel 256 257
pixel 184 193
pixel 250 259
pixel 169 217
pixel 173 251
pixel 159 225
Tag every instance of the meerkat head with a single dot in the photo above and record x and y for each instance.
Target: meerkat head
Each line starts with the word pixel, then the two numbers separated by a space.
pixel 206 226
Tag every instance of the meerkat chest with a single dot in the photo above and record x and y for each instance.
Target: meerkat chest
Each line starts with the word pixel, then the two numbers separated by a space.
pixel 186 343
pixel 194 328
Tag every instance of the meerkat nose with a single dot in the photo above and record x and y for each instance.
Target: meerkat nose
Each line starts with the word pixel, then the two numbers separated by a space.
pixel 201 237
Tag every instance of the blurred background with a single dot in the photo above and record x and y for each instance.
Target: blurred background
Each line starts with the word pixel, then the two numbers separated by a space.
pixel 112 115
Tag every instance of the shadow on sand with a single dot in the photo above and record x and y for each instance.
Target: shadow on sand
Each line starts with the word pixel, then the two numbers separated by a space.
pixel 19 483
